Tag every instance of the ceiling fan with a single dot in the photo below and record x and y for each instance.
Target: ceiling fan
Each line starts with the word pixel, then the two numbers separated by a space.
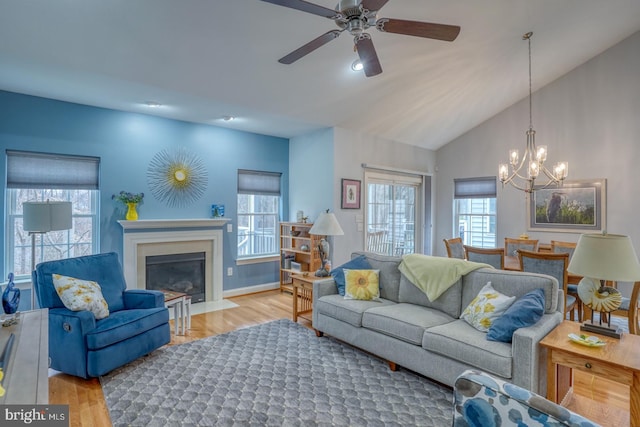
pixel 356 16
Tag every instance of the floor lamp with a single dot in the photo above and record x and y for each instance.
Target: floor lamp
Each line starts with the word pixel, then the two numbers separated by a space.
pixel 40 218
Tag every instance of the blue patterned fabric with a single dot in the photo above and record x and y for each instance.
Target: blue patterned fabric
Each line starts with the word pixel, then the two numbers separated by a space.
pixel 85 347
pixel 358 263
pixel 526 311
pixel 483 401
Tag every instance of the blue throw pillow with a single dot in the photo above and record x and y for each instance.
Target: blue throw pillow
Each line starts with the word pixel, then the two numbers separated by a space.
pixel 526 311
pixel 358 263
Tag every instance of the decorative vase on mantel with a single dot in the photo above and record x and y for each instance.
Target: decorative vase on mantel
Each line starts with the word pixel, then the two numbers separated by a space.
pixel 132 213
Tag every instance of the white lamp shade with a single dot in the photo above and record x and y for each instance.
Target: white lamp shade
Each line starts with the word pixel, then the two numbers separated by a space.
pixel 605 257
pixel 326 225
pixel 41 217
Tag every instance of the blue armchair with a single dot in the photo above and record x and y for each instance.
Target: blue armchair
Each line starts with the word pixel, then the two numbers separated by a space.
pixel 80 345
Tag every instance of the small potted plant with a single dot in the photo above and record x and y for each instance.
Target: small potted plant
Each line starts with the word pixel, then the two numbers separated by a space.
pixel 131 200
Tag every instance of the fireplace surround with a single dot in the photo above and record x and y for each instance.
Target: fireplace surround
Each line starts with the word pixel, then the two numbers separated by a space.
pixel 149 238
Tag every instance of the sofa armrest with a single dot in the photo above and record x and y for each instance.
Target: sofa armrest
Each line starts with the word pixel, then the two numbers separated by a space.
pixel 479 398
pixel 141 298
pixel 322 288
pixel 528 357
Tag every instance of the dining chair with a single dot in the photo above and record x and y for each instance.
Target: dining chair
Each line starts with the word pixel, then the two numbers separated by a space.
pixel 560 247
pixel 455 248
pixel 629 309
pixel 554 265
pixel 511 246
pixel 491 256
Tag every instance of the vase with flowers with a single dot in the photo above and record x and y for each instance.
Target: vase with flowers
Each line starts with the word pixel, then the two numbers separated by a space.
pixel 131 200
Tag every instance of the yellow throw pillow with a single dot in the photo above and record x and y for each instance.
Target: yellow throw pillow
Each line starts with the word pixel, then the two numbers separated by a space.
pixel 486 307
pixel 362 284
pixel 78 295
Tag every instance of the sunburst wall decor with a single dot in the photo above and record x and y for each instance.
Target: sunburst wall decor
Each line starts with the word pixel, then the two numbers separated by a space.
pixel 177 178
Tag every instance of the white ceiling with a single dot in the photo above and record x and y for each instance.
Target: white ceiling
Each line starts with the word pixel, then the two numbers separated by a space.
pixel 209 58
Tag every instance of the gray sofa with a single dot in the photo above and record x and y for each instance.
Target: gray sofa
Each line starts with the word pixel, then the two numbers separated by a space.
pixel 407 329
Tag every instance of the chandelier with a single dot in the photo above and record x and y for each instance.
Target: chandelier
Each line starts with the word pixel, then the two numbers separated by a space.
pixel 533 161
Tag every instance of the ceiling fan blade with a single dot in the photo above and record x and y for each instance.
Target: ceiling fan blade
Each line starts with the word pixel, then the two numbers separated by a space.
pixel 306 7
pixel 368 56
pixel 309 47
pixel 373 4
pixel 419 29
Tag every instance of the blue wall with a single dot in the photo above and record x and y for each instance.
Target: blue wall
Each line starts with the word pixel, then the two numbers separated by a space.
pixel 125 143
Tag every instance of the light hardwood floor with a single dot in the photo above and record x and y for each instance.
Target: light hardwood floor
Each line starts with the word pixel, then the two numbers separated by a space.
pixel 87 406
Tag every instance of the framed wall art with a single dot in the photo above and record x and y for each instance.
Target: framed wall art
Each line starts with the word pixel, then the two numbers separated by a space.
pixel 577 206
pixel 350 194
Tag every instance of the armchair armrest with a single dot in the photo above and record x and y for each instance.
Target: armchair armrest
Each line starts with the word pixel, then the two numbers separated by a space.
pixel 141 298
pixel 322 288
pixel 479 397
pixel 67 329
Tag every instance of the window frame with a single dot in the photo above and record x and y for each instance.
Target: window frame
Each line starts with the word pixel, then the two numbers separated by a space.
pixel 473 191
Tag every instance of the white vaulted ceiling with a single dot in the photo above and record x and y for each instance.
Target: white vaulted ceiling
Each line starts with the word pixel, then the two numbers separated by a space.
pixel 205 59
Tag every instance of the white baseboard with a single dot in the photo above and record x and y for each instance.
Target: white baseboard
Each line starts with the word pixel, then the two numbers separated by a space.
pixel 250 290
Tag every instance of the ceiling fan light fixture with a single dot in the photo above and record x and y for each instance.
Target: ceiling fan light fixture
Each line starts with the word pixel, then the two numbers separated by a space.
pixel 357 65
pixel 228 118
pixel 153 104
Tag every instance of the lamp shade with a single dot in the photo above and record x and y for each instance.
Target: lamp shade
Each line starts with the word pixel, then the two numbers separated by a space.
pixel 605 257
pixel 41 217
pixel 326 225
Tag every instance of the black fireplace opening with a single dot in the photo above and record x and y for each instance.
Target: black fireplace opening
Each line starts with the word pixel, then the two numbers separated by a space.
pixel 178 273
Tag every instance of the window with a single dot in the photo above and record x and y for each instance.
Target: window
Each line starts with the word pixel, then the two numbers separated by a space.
pixel 475 211
pixel 38 177
pixel 391 211
pixel 258 213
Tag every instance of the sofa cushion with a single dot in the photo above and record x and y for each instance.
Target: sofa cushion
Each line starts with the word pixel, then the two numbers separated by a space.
pixel 448 302
pixel 486 307
pixel 461 341
pixel 346 310
pixel 361 284
pixel 359 262
pixel 526 311
pixel 124 324
pixel 404 321
pixel 389 273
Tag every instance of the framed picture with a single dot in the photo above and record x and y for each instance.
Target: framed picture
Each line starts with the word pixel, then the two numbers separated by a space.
pixel 577 206
pixel 350 194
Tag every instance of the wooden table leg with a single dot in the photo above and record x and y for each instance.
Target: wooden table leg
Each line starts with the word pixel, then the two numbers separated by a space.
pixel 552 386
pixel 635 397
pixel 295 303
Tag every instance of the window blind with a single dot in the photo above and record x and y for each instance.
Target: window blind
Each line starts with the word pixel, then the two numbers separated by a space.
pixel 52 171
pixel 472 188
pixel 259 182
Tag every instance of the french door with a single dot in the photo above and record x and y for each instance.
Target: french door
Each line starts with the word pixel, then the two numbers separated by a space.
pixel 393 213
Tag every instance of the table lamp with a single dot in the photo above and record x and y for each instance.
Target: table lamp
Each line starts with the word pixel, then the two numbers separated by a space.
pixel 600 258
pixel 40 218
pixel 325 225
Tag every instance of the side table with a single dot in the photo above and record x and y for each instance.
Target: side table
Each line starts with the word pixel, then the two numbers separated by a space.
pixel 618 361
pixel 303 295
pixel 178 300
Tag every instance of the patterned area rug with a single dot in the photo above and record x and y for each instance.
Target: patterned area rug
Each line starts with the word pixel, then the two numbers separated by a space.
pixel 274 374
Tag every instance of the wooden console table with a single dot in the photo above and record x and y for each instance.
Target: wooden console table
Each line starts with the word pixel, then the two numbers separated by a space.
pixel 26 375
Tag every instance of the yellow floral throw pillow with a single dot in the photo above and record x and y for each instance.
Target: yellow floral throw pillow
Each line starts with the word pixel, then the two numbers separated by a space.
pixel 486 307
pixel 362 284
pixel 77 295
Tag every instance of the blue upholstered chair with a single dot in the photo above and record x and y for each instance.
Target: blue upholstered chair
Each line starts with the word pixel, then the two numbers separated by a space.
pixel 512 246
pixel 481 400
pixel 80 345
pixel 455 248
pixel 491 256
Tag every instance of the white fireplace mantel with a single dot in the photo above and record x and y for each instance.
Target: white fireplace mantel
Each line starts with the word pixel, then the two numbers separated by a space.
pixel 167 231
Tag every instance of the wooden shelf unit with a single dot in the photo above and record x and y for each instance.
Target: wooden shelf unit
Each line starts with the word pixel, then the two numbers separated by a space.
pixel 302 249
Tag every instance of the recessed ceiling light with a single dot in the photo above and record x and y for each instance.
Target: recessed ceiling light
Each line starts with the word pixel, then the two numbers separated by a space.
pixel 153 104
pixel 228 118
pixel 357 65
